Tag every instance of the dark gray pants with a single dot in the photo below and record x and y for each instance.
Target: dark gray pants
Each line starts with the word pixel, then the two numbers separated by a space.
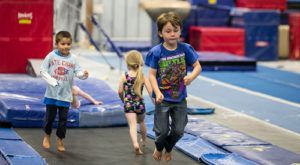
pixel 50 115
pixel 168 133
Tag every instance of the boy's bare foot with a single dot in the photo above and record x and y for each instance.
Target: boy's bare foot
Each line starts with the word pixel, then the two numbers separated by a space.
pixel 167 156
pixel 46 142
pixel 60 145
pixel 138 151
pixel 157 155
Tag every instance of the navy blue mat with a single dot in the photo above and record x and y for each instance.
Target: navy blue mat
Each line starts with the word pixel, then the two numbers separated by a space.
pixel 226 159
pixel 269 154
pixel 274 82
pixel 8 134
pixel 238 143
pixel 195 147
pixel 21 103
pixel 19 152
pixel 220 61
pixel 219 135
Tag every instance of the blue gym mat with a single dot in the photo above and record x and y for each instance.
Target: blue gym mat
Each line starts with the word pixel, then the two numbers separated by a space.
pixel 238 143
pixel 219 135
pixel 21 103
pixel 8 134
pixel 226 159
pixel 268 154
pixel 14 151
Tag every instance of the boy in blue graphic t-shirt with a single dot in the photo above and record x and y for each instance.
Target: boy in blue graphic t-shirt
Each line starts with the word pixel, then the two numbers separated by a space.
pixel 168 63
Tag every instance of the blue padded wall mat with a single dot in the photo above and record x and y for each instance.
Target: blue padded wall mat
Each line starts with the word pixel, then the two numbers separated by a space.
pixel 219 135
pixel 226 159
pixel 21 103
pixel 286 83
pixel 9 134
pixel 269 154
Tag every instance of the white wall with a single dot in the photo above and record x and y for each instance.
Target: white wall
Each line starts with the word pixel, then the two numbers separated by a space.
pixel 123 20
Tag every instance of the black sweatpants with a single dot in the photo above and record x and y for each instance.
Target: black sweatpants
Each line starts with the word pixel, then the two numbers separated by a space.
pixel 50 115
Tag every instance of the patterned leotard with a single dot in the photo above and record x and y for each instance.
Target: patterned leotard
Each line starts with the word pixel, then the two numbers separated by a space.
pixel 132 102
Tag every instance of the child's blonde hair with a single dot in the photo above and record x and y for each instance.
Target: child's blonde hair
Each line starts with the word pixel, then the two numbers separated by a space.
pixel 134 61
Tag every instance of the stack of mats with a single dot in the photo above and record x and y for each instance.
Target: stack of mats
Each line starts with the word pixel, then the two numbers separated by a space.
pixel 221 61
pixel 21 102
pixel 13 150
pixel 213 144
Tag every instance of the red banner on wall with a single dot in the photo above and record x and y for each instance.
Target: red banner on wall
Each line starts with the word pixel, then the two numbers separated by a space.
pixel 26 32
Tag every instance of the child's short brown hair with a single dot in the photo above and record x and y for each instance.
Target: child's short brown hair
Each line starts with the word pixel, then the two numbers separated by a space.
pixel 62 34
pixel 164 18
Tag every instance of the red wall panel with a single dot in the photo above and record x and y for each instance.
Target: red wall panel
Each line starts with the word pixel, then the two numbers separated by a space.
pixel 26 32
pixel 294 22
pixel 262 4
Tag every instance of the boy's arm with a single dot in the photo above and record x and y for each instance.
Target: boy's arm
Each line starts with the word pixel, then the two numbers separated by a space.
pixel 121 90
pixel 88 97
pixel 44 72
pixel 196 71
pixel 152 78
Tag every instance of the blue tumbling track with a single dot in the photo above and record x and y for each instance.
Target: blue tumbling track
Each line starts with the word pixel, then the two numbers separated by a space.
pixel 274 82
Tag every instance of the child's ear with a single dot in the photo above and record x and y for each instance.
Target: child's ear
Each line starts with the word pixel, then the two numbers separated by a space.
pixel 160 34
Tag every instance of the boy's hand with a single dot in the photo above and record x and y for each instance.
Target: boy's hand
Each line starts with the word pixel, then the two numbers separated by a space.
pixel 86 73
pixel 159 98
pixel 187 80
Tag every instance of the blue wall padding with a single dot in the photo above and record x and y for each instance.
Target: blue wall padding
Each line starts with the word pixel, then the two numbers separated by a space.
pixel 269 154
pixel 195 147
pixel 21 102
pixel 12 149
pixel 9 134
pixel 225 159
pixel 211 15
pixel 261 32
pixel 219 135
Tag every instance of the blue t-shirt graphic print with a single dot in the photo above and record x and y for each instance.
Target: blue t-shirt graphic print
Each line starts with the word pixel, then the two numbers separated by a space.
pixel 171 71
